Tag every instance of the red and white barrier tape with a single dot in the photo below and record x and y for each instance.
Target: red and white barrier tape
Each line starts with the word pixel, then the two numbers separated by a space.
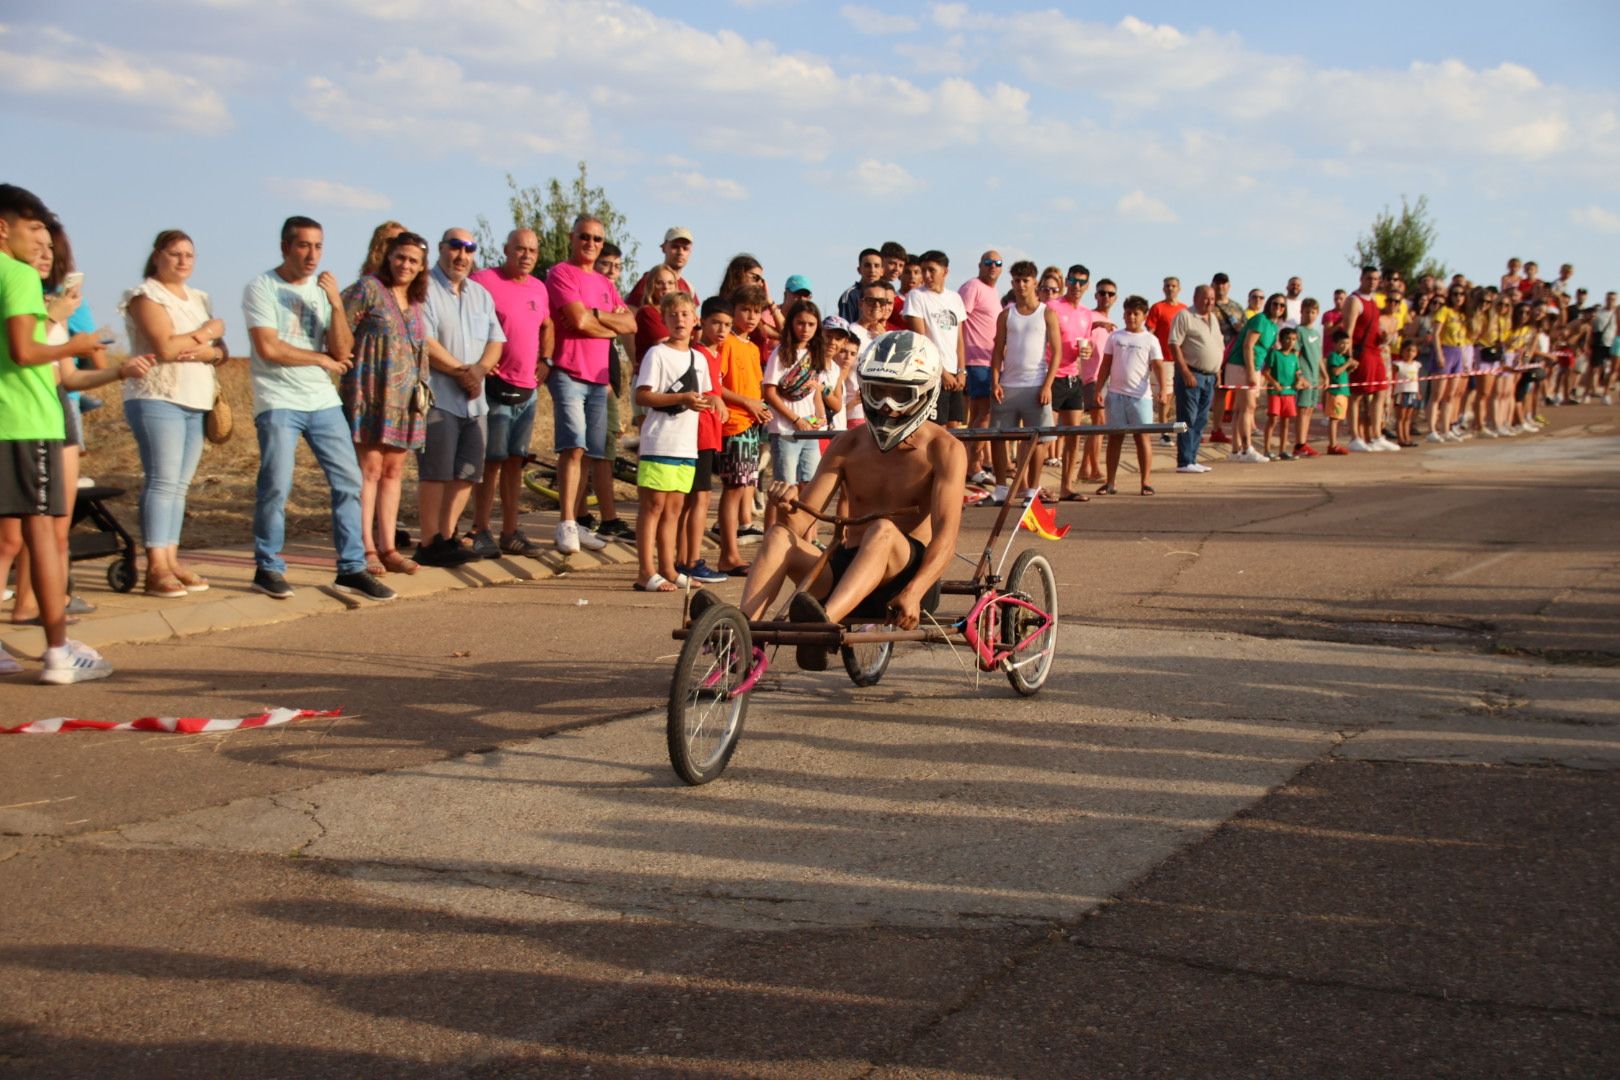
pixel 1391 380
pixel 177 725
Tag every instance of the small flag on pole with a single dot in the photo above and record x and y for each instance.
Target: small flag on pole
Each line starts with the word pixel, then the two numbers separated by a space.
pixel 1040 520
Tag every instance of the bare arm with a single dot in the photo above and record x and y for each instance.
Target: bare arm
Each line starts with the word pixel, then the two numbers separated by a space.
pixel 169 347
pixel 998 355
pixel 26 351
pixel 270 348
pixel 339 335
pixel 75 379
pixel 587 322
pixel 1054 354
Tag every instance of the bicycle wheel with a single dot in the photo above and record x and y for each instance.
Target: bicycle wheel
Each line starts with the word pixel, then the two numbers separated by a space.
pixel 1031 580
pixel 705 715
pixel 866 663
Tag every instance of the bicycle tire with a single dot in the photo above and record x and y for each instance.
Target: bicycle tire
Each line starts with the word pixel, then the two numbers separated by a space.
pixel 704 720
pixel 866 663
pixel 1030 579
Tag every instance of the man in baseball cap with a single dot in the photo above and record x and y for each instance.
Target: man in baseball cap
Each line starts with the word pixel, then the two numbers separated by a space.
pixel 677 249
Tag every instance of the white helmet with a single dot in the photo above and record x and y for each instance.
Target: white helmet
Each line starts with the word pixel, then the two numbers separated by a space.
pixel 900 376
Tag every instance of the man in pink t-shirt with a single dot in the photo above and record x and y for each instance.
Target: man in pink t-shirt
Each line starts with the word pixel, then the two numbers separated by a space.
pixel 523 308
pixel 589 313
pixel 983 306
pixel 1102 324
pixel 1068 393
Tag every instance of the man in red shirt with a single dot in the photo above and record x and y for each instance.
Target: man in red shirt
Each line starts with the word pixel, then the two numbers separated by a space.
pixel 1161 317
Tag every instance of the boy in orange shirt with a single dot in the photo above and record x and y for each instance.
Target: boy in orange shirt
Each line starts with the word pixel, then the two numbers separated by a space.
pixel 737 464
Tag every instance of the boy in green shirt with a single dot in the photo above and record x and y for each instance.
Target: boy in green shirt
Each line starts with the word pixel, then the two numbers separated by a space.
pixel 1339 364
pixel 31 428
pixel 1282 377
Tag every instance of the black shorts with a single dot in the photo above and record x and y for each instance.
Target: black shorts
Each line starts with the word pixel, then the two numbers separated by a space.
pixel 31 478
pixel 703 479
pixel 1068 394
pixel 876 604
pixel 951 408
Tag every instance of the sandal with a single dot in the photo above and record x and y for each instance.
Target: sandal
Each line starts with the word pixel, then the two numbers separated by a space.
pixel 167 586
pixel 192 581
pixel 1108 489
pixel 656 583
pixel 395 563
pixel 374 566
pixel 740 570
pixel 1147 490
pixel 1074 496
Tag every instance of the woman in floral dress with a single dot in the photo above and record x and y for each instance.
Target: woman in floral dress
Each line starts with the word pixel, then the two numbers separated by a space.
pixel 380 391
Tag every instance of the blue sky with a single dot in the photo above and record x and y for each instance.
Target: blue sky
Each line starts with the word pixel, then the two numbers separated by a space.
pixel 1255 138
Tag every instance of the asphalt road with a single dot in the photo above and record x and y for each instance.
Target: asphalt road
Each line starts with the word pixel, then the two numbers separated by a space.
pixel 1324 782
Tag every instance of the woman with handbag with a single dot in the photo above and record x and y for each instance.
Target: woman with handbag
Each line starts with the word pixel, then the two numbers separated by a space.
pixel 168 319
pixel 385 393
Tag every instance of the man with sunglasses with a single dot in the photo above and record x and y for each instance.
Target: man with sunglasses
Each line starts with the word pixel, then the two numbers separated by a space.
pixel 589 313
pixel 877 304
pixel 983 306
pixel 464 345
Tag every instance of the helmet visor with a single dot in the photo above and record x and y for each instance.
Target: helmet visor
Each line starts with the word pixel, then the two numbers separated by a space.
pixel 892 397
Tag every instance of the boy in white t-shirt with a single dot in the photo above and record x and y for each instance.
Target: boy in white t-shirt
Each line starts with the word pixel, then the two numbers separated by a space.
pixel 938 314
pixel 1127 363
pixel 673 386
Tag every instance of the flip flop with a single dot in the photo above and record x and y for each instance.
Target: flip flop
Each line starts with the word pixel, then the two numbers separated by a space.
pixel 740 570
pixel 656 583
pixel 1108 489
pixel 1075 496
pixel 1147 490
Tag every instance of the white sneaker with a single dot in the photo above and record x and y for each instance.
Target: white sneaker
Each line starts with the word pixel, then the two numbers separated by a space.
pixel 73 662
pixel 589 540
pixel 998 495
pixel 567 537
pixel 1357 446
pixel 1192 468
pixel 1487 433
pixel 1251 454
pixel 8 664
pixel 1435 436
pixel 983 476
pixel 1385 444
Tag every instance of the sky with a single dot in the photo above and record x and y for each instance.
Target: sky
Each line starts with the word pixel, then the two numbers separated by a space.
pixel 1255 139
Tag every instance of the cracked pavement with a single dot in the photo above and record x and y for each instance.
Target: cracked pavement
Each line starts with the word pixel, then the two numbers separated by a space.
pixel 1303 795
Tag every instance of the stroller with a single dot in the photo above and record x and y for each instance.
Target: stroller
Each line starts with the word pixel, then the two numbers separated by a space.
pixel 108 538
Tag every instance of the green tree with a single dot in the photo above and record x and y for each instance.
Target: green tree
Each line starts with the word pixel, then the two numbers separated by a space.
pixel 549 209
pixel 1401 241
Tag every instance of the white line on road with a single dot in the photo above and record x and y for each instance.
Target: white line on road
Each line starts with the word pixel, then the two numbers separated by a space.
pixel 1482 564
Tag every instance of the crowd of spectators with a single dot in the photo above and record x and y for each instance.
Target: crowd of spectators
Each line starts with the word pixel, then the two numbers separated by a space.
pixel 427 355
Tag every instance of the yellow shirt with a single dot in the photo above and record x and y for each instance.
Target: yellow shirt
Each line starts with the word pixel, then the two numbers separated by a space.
pixel 1451 327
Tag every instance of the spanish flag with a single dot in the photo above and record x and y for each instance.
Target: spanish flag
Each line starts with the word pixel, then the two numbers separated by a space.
pixel 1040 520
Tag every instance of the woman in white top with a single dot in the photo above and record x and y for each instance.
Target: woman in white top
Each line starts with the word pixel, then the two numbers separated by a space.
pixel 165 410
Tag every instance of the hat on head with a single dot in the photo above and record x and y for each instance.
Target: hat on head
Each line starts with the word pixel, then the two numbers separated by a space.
pixel 797 283
pixel 839 324
pixel 679 232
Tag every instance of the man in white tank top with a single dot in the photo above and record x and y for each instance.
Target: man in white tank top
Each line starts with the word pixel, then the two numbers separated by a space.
pixel 1023 363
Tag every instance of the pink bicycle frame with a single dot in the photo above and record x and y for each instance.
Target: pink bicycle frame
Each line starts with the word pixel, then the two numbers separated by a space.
pixel 989 610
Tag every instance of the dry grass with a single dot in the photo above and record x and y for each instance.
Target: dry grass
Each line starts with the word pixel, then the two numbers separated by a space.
pixel 219 510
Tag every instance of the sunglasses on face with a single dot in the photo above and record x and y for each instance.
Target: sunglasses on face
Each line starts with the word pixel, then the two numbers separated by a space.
pixel 876 301
pixel 591 238
pixel 1101 293
pixel 1078 280
pixel 469 246
pixel 989 262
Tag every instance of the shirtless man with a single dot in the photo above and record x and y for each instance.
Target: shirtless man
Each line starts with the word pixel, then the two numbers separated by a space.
pixel 899 462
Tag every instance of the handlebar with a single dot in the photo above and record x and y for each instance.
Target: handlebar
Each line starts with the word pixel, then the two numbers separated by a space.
pixel 834 519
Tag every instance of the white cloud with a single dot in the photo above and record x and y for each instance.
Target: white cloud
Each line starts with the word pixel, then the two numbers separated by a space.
pixel 693 186
pixel 869 20
pixel 1596 217
pixel 1140 206
pixel 327 193
pixel 882 178
pixel 108 83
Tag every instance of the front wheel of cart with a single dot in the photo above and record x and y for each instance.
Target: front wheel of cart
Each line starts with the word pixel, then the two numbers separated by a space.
pixel 1029 633
pixel 867 662
pixel 707 701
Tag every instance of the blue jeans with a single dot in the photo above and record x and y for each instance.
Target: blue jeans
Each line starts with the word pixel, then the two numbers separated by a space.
pixel 579 413
pixel 170 440
pixel 327 433
pixel 1192 408
pixel 794 460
